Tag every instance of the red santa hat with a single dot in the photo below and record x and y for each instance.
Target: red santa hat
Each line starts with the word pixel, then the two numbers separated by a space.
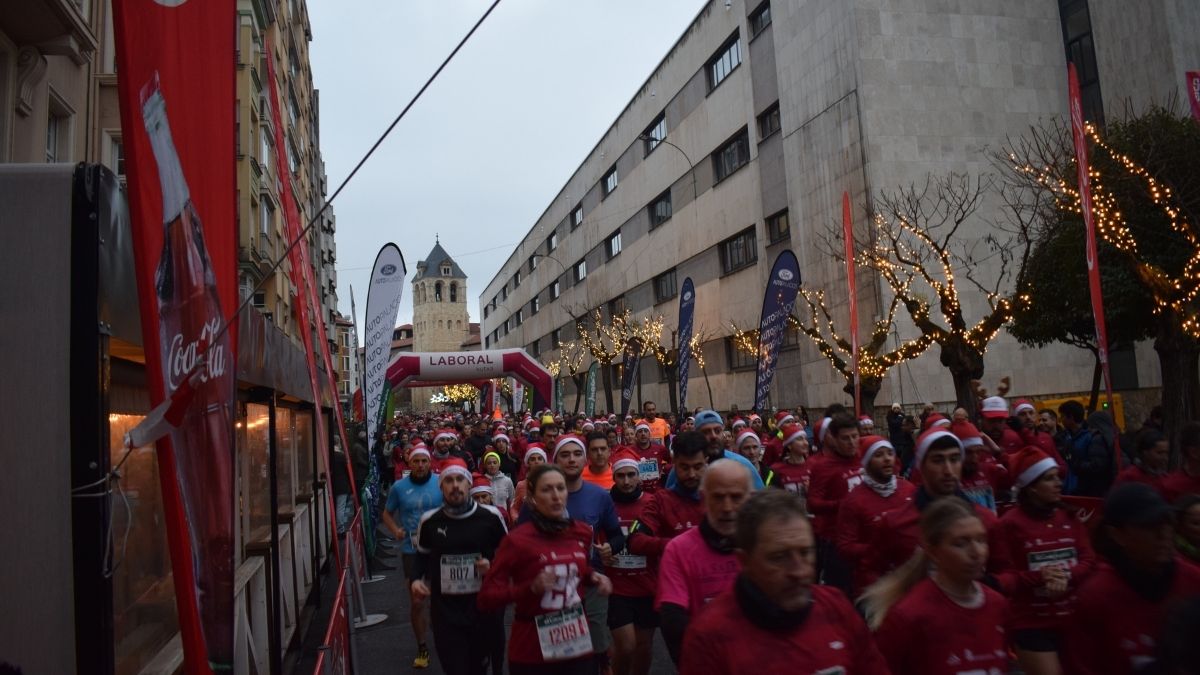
pixel 926 439
pixel 792 432
pixel 967 433
pixel 869 445
pixel 481 484
pixel 534 449
pixel 564 441
pixel 994 406
pixel 588 426
pixel 783 417
pixel 624 459
pixel 447 434
pixel 1028 464
pixel 1022 405
pixel 866 421
pixel 642 425
pixel 501 437
pixel 738 423
pixel 747 435
pixel 453 467
pixel 822 430
pixel 935 421
pixel 418 450
pixel 754 416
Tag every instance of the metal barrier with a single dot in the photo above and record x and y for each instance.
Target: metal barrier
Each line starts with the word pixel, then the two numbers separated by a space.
pixel 334 657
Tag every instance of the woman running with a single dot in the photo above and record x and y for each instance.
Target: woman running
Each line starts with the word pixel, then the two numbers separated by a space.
pixel 539 567
pixel 1043 552
pixel 534 456
pixel 932 615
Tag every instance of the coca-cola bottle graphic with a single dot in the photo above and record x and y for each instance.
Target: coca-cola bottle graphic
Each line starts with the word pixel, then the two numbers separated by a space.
pixel 189 322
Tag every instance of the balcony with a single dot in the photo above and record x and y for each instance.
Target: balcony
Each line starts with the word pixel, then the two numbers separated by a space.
pixel 55 27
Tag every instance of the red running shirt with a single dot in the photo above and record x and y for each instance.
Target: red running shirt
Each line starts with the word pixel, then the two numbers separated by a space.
pixel 631 575
pixel 927 633
pixel 1022 545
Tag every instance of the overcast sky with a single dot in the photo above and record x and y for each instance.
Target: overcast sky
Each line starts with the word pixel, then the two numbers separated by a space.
pixel 492 141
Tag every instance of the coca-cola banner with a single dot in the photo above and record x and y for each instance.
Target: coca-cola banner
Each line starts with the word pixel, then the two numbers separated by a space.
pixel 778 302
pixel 687 314
pixel 176 91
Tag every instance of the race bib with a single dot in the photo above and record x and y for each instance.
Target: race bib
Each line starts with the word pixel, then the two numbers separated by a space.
pixel 625 561
pixel 648 469
pixel 563 634
pixel 459 576
pixel 1059 557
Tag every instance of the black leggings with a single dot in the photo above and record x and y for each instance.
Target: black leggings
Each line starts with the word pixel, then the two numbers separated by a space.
pixel 584 665
pixel 470 650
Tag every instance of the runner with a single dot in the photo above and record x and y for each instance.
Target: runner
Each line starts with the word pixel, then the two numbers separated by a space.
pixel 699 564
pixel 445 446
pixel 503 488
pixel 540 567
pixel 863 509
pixel 672 511
pixel 654 460
pixel 408 499
pixel 710 424
pixel 598 472
pixel 1185 480
pixel 996 424
pixel 455 545
pixel 659 429
pixel 831 480
pixel 984 480
pixel 631 615
pixel 749 445
pixel 773 618
pixel 534 456
pixel 933 615
pixel 1151 451
pixel 792 472
pixel 1123 605
pixel 773 446
pixel 1042 554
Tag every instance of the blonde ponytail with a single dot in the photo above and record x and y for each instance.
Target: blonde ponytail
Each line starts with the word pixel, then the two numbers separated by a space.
pixel 936 519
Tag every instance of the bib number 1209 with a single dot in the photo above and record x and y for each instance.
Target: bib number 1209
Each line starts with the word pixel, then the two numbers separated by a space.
pixel 564 634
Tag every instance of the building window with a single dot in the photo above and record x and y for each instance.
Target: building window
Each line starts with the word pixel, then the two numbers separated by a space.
pixel 738 359
pixel 535 349
pixel 577 216
pixel 580 270
pixel 777 227
pixel 495 301
pixel 739 251
pixel 507 325
pixel 655 133
pixel 555 289
pixel 266 218
pixel 516 279
pixel 486 310
pixel 116 154
pixel 614 244
pixel 616 306
pixel 446 270
pixel 552 242
pixel 504 292
pixel 768 122
pixel 520 318
pixel 533 262
pixel 759 19
pixel 660 209
pixel 437 292
pixel 728 57
pixel 732 156
pixel 58 130
pixel 555 336
pixel 610 181
pixel 535 305
pixel 665 287
pixel 1077 37
pixel 453 292
pixel 487 342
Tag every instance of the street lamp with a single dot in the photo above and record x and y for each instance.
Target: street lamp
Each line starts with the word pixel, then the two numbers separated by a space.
pixel 651 139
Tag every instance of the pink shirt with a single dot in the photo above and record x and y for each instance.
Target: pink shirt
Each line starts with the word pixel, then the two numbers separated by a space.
pixel 691 573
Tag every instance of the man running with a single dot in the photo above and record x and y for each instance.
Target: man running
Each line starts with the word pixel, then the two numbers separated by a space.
pixel 598 472
pixel 455 545
pixel 653 459
pixel 712 427
pixel 631 615
pixel 407 501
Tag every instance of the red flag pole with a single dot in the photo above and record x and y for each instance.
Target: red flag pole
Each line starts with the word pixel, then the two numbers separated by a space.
pixel 1079 135
pixel 852 283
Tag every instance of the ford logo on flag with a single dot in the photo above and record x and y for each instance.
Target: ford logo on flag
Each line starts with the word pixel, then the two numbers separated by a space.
pixel 387 270
pixel 786 275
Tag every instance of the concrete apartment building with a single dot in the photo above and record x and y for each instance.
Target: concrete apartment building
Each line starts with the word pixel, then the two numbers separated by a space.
pixel 767 112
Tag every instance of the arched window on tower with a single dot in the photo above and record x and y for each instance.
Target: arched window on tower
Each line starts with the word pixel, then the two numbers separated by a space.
pixel 437 292
pixel 458 324
pixel 453 292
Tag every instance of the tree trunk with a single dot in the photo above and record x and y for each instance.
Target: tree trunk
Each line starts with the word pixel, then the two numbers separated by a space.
pixel 606 378
pixel 868 390
pixel 711 405
pixel 580 380
pixel 1179 361
pixel 674 395
pixel 965 364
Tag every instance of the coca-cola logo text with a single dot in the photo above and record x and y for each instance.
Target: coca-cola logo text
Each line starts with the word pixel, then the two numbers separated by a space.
pixel 182 358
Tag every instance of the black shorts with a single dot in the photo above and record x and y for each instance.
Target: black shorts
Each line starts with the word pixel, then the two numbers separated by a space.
pixel 623 610
pixel 1036 639
pixel 408 562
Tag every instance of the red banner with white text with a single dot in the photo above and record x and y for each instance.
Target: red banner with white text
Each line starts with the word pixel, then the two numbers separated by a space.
pixel 852 284
pixel 1080 137
pixel 176 90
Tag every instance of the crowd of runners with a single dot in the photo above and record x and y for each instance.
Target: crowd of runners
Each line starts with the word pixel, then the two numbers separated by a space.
pixel 936 545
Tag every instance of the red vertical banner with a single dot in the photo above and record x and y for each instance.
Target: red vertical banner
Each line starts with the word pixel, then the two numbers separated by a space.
pixel 1193 92
pixel 1079 135
pixel 177 96
pixel 852 287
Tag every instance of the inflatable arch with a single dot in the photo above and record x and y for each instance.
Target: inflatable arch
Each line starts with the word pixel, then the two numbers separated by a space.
pixel 432 369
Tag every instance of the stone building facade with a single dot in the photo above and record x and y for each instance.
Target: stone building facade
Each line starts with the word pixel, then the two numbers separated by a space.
pixel 440 318
pixel 767 112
